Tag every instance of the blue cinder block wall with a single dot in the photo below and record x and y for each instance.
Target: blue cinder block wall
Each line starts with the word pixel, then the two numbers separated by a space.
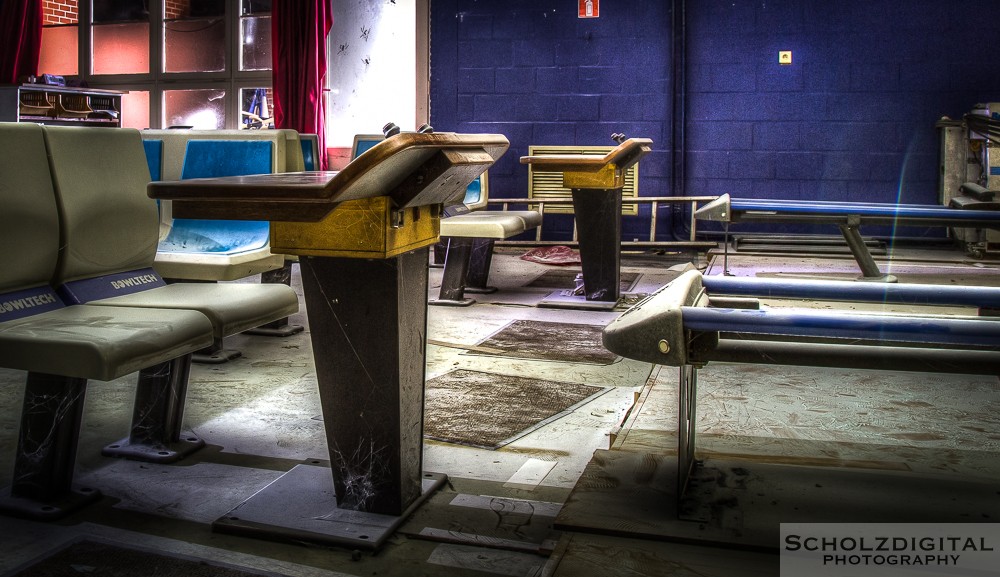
pixel 535 72
pixel 852 118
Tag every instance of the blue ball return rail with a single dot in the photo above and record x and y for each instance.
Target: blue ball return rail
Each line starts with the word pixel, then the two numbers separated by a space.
pixel 883 329
pixel 696 320
pixel 848 217
pixel 911 294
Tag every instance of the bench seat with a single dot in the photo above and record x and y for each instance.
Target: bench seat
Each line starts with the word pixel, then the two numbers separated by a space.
pixel 102 242
pixel 92 342
pixel 469 238
pixel 108 231
pixel 62 347
pixel 232 308
pixel 495 225
pixel 62 350
pixel 206 266
pixel 224 250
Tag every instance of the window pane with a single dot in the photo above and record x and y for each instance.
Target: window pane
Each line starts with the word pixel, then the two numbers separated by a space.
pixel 194 45
pixel 59 38
pixel 255 106
pixel 200 8
pixel 257 7
pixel 59 51
pixel 120 11
pixel 194 36
pixel 201 109
pixel 255 40
pixel 121 48
pixel 135 109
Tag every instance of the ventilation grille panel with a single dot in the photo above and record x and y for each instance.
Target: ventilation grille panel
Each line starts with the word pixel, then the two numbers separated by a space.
pixel 547 185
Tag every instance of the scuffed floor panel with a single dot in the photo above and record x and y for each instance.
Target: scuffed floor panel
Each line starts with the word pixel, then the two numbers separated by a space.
pixel 582 555
pixel 114 560
pixel 490 410
pixel 735 503
pixel 541 340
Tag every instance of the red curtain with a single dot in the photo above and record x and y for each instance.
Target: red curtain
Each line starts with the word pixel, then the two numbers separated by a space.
pixel 20 39
pixel 298 36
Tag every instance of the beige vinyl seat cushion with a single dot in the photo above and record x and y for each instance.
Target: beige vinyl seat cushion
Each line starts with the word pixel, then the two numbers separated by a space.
pixel 102 343
pixel 232 307
pixel 495 225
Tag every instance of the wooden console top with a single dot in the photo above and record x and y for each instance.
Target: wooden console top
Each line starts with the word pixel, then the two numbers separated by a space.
pixel 412 169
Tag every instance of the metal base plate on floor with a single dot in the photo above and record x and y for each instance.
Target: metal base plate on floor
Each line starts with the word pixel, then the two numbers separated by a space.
pixel 77 498
pixel 168 453
pixel 451 303
pixel 565 299
pixel 301 506
pixel 215 357
pixel 285 330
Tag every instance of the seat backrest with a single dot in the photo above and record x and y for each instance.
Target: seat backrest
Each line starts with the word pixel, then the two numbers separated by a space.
pixel 107 222
pixel 477 193
pixel 216 158
pixel 363 142
pixel 154 157
pixel 29 223
pixel 310 151
pixel 286 157
pixel 287 152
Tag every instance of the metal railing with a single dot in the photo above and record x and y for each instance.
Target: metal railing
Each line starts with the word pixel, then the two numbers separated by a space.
pixel 656 203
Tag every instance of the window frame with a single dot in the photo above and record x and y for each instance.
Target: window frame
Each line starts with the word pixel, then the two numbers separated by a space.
pixel 157 81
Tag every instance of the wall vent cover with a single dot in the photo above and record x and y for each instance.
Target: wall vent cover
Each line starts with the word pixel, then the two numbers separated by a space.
pixel 547 185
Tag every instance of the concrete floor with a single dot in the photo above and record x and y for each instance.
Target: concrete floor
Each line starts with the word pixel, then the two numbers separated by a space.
pixel 259 415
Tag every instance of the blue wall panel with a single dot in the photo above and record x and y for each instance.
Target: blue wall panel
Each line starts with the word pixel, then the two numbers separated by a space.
pixel 558 80
pixel 852 118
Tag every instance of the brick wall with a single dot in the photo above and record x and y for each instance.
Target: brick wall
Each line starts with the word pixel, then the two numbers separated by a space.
pixel 533 71
pixel 852 118
pixel 65 11
pixel 176 8
pixel 60 11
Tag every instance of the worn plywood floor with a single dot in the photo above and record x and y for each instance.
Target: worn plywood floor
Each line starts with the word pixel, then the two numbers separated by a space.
pixel 904 432
pixel 498 514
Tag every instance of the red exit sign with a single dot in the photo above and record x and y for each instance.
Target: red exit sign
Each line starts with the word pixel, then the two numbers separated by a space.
pixel 590 8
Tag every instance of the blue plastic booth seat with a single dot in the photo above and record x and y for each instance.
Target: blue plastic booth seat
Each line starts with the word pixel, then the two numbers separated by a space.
pixel 286 157
pixel 195 249
pixel 154 158
pixel 310 151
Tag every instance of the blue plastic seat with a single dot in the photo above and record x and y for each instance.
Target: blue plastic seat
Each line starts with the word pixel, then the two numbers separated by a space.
pixel 214 158
pixel 196 249
pixel 310 151
pixel 154 157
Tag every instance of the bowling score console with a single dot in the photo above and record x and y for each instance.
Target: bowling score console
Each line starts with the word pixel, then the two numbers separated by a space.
pixel 596 183
pixel 361 235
